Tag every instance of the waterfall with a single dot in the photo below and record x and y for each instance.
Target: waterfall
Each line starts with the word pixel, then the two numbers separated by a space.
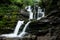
pixel 30 15
pixel 30 12
pixel 14 34
pixel 18 26
pixel 24 29
pixel 38 13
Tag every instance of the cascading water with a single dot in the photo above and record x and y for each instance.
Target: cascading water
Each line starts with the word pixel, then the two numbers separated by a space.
pixel 18 26
pixel 31 15
pixel 14 34
pixel 36 14
pixel 30 12
pixel 28 8
pixel 24 29
pixel 21 35
pixel 40 14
